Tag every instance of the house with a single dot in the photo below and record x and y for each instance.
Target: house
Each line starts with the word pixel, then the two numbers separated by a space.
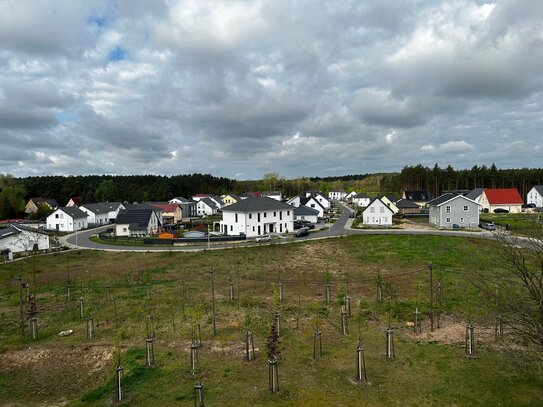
pixel 257 216
pixel 218 201
pixel 406 206
pixel 206 207
pixel 188 207
pixel 97 213
pixel 337 194
pixel 251 194
pixel 419 196
pixel 197 197
pixel 313 203
pixel 350 196
pixel 453 209
pixel 535 196
pixel 389 200
pixel 137 221
pixel 475 194
pixel 17 239
pixel 277 195
pixel 508 199
pixel 324 201
pixel 34 203
pixel 230 199
pixel 295 201
pixel 67 219
pixel 311 193
pixel 171 212
pixel 377 213
pixel 360 200
pixel 74 202
pixel 306 213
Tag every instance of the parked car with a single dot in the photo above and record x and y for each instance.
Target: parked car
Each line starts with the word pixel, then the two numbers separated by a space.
pixel 302 232
pixel 487 226
pixel 500 210
pixel 263 238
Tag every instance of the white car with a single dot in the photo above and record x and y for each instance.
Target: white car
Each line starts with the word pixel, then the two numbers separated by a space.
pixel 263 238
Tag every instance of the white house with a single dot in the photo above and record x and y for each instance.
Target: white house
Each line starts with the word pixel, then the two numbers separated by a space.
pixel 453 209
pixel 377 213
pixel 360 200
pixel 313 203
pixel 277 195
pixel 257 216
pixel 136 221
pixel 535 196
pixel 97 213
pixel 67 219
pixel 295 201
pixel 508 199
pixel 306 213
pixel 475 194
pixel 350 196
pixel 325 202
pixel 19 239
pixel 206 206
pixel 337 194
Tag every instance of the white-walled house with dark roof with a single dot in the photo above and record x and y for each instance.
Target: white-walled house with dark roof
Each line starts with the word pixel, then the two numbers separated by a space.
pixel 535 196
pixel 19 239
pixel 377 213
pixel 453 209
pixel 67 219
pixel 257 216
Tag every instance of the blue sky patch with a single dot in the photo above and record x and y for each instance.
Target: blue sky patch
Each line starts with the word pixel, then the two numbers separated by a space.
pixel 117 54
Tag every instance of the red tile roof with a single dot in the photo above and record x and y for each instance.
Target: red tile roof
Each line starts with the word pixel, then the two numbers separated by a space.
pixel 503 196
pixel 166 207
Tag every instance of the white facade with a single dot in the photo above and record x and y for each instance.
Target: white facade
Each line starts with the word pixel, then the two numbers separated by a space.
pixel 294 201
pixel 277 195
pixel 490 207
pixel 314 204
pixel 337 195
pixel 361 201
pixel 325 202
pixel 129 229
pixel 202 208
pixel 95 218
pixel 377 214
pixel 63 222
pixel 257 223
pixel 112 214
pixel 535 196
pixel 19 240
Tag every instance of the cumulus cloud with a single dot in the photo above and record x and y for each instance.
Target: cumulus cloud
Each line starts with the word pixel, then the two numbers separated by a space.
pixel 245 87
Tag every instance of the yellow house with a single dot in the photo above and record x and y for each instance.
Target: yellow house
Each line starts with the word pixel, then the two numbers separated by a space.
pixel 389 201
pixel 230 199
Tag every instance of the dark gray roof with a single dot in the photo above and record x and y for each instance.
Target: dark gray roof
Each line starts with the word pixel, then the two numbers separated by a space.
pixel 256 204
pixel 73 211
pixel 474 194
pixel 390 197
pixel 305 211
pixel 417 195
pixel 360 195
pixel 8 232
pixel 209 202
pixel 539 188
pixel 444 198
pixel 304 201
pixel 102 207
pixel 377 199
pixel 406 204
pixel 135 216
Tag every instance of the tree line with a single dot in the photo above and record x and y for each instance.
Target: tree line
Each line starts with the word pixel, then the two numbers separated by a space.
pixel 437 180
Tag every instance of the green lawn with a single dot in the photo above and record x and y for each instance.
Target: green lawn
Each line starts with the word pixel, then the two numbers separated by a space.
pixel 426 371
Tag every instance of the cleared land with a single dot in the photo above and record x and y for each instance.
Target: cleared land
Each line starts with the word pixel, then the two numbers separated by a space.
pixel 429 369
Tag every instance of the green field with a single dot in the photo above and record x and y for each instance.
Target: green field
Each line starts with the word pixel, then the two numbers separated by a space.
pixel 429 369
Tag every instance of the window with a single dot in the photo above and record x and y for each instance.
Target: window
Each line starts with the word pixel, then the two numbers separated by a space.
pixel 274 214
pixel 448 209
pixel 56 215
pixel 251 216
pixel 280 215
pixel 231 228
pixel 288 213
pixel 265 214
pixel 448 220
pixel 461 220
pixel 258 216
pixel 382 210
pixel 253 228
pixel 466 208
pixel 372 209
pixel 236 217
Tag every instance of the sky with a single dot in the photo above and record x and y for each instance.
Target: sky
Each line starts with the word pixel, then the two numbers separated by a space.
pixel 241 88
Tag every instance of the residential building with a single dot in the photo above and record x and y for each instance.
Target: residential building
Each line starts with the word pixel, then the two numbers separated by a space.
pixel 67 219
pixel 360 200
pixel 407 207
pixel 295 201
pixel 206 207
pixel 419 196
pixel 256 216
pixel 188 207
pixel 230 199
pixel 377 213
pixel 97 213
pixel 17 239
pixel 324 201
pixel 34 203
pixel 277 195
pixel 349 196
pixel 389 201
pixel 171 212
pixel 306 213
pixel 453 209
pixel 535 196
pixel 475 194
pixel 337 195
pixel 313 203
pixel 504 199
pixel 74 202
pixel 142 221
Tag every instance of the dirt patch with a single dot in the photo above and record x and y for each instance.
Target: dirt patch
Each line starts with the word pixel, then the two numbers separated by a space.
pixel 54 373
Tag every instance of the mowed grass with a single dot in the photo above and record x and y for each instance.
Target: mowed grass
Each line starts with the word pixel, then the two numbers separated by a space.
pixel 426 371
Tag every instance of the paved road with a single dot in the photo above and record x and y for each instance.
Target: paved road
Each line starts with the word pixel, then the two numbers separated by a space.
pixel 342 227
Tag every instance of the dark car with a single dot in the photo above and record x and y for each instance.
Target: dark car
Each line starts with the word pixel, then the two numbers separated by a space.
pixel 302 232
pixel 500 210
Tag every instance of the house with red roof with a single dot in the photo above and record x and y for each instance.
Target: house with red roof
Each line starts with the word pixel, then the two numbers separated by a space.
pixel 508 199
pixel 171 212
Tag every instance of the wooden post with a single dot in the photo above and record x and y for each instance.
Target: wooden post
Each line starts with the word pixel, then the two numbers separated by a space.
pixel 317 344
pixel 34 327
pixel 106 292
pixel 213 302
pixel 417 329
pixel 280 288
pixel 119 380
pixel 198 395
pixel 360 363
pixel 68 294
pixel 249 346
pixel 149 352
pixel 470 342
pixel 196 335
pixel 81 307
pixel 231 291
pixel 390 344
pixel 344 322
pixel 348 305
pixel 193 359
pixel 277 316
pixel 327 292
pixel 186 292
pixel 90 328
pixel 27 291
pixel 150 329
pixel 273 376
pixel 499 327
pixel 440 303
pixel 431 312
pixel 379 292
pixel 21 313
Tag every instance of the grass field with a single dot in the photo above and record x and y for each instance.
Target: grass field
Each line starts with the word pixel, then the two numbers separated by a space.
pixel 429 369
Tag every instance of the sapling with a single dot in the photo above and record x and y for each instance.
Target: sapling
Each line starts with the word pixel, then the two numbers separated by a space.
pixel 469 348
pixel 317 343
pixel 274 354
pixel 198 395
pixel 379 284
